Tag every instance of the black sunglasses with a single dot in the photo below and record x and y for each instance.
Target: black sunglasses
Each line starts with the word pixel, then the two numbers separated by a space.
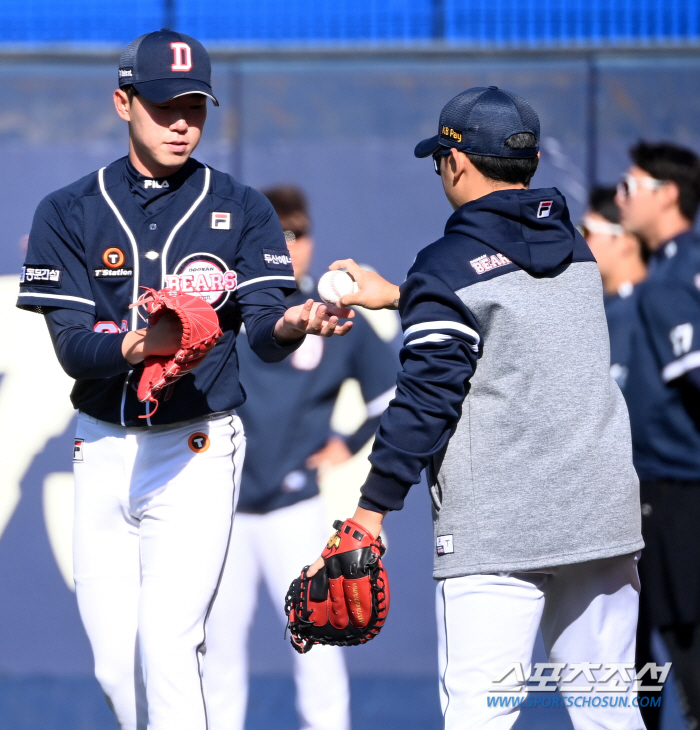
pixel 436 158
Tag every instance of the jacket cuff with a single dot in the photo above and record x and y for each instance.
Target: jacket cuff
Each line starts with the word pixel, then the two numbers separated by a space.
pixel 381 493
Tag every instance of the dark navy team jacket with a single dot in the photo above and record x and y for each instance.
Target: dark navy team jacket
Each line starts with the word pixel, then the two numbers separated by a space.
pixel 288 408
pixel 663 402
pixel 94 245
pixel 621 315
pixel 485 239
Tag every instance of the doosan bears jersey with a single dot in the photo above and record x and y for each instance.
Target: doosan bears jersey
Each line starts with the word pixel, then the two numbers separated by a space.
pixel 661 394
pixel 93 247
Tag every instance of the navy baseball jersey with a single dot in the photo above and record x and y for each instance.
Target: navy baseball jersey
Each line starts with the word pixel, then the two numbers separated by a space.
pixel 288 407
pixel 621 314
pixel 664 403
pixel 94 245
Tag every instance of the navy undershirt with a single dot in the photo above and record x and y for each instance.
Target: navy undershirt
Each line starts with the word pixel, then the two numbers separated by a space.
pixel 85 354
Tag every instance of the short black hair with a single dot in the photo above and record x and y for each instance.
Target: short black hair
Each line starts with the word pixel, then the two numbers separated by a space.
pixel 131 92
pixel 291 206
pixel 509 169
pixel 602 201
pixel 667 161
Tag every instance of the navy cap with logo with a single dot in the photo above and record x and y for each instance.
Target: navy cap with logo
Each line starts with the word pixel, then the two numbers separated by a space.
pixel 480 120
pixel 164 64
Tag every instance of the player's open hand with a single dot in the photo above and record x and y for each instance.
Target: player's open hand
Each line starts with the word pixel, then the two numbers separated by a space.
pixel 312 318
pixel 374 292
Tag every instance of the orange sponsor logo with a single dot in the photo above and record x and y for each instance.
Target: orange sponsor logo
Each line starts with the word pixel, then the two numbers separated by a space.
pixel 113 258
pixel 198 442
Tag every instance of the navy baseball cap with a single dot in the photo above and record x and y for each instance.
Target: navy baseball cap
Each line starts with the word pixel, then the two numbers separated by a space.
pixel 164 64
pixel 480 120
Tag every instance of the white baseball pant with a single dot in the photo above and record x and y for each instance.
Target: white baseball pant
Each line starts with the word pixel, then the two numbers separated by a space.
pixel 273 548
pixel 153 515
pixel 587 613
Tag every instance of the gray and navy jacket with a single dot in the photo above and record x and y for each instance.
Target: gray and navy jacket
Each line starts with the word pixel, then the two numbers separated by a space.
pixel 506 396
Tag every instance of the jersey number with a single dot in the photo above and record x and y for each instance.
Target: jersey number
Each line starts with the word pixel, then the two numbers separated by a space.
pixel 182 56
pixel 111 327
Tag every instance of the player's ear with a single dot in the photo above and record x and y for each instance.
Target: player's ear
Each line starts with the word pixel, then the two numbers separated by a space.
pixel 122 104
pixel 671 194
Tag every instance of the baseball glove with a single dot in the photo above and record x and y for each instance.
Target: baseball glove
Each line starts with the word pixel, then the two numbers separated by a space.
pixel 347 601
pixel 200 332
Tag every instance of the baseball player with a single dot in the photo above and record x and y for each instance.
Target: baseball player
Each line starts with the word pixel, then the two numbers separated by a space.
pixel 505 399
pixel 155 492
pixel 281 519
pixel 619 257
pixel 659 197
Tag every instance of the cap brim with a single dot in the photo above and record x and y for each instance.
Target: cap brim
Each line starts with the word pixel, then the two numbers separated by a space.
pixel 162 90
pixel 427 147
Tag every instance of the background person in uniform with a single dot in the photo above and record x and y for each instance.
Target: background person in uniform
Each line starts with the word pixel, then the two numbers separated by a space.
pixel 658 199
pixel 287 419
pixel 621 263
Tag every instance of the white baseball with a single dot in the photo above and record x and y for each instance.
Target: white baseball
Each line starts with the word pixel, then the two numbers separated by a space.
pixel 335 284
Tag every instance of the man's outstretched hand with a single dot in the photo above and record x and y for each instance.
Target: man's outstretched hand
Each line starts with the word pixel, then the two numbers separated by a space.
pixel 374 292
pixel 312 318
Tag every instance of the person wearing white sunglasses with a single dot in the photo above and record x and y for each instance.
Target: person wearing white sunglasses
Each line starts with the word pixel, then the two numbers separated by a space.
pixel 658 200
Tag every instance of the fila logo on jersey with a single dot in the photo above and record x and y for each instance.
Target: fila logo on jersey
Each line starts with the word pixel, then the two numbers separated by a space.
pixel 182 56
pixel 485 263
pixel 545 208
pixel 203 275
pixel 78 450
pixel 155 184
pixel 113 258
pixel 221 221
pixel 445 544
pixel 198 442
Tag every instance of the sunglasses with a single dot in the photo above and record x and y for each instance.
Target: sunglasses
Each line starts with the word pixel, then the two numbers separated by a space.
pixel 629 185
pixel 588 226
pixel 436 158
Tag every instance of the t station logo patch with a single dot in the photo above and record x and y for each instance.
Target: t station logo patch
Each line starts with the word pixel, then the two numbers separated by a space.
pixel 198 442
pixel 113 258
pixel 203 275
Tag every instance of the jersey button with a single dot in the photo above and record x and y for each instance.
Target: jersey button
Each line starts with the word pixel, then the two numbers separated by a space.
pixel 153 226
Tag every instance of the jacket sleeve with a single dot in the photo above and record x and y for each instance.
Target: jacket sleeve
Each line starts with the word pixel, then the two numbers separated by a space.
pixel 441 345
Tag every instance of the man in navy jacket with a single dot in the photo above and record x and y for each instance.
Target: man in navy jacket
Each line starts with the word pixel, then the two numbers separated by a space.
pixel 505 399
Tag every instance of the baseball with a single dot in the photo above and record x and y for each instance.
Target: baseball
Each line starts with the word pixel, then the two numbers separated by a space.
pixel 335 284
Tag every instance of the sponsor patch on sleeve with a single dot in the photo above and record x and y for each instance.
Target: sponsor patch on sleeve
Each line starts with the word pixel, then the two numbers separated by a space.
pixel 277 259
pixel 41 275
pixel 444 544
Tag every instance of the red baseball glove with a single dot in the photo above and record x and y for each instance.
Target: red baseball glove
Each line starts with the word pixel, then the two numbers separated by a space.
pixel 347 601
pixel 200 332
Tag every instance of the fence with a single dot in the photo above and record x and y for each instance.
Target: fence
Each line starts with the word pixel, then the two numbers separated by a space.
pixel 473 23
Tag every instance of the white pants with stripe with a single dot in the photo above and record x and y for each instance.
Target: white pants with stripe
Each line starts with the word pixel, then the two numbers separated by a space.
pixel 271 548
pixel 153 516
pixel 486 623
